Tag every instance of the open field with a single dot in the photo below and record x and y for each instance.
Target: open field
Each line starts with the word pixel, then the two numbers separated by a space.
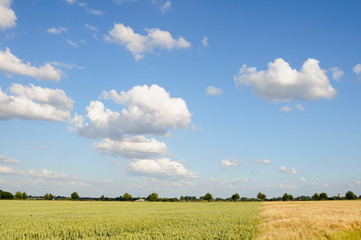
pixel 127 220
pixel 310 220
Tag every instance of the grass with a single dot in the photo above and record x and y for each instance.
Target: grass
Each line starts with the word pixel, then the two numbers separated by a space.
pixel 125 220
pixel 310 220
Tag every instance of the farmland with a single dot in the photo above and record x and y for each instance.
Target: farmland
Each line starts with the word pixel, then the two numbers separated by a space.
pixel 127 220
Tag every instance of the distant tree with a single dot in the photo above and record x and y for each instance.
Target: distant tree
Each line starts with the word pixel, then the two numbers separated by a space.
pixel 350 195
pixel 18 195
pixel 6 195
pixel 46 196
pixel 128 197
pixel 74 196
pixel 323 196
pixel 24 196
pixel 152 197
pixel 208 197
pixel 51 196
pixel 102 198
pixel 285 197
pixel 290 197
pixel 181 198
pixel 261 196
pixel 315 197
pixel 235 197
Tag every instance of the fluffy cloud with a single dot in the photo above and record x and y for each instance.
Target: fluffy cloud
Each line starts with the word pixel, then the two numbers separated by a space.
pixel 227 163
pixel 36 103
pixel 289 171
pixel 7 15
pixel 357 69
pixel 9 63
pixel 160 167
pixel 303 179
pixel 213 91
pixel 205 41
pixel 139 44
pixel 8 160
pixel 299 107
pixel 57 30
pixel 134 147
pixel 336 73
pixel 150 110
pixel 264 161
pixel 6 170
pixel 282 83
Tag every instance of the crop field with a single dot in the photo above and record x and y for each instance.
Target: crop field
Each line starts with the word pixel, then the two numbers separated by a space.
pixel 127 220
pixel 310 220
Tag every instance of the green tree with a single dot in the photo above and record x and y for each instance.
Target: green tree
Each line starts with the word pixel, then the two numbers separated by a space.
pixel 24 196
pixel 323 196
pixel 285 197
pixel 181 198
pixel 350 195
pixel 152 197
pixel 6 195
pixel 74 196
pixel 18 195
pixel 315 197
pixel 290 197
pixel 235 197
pixel 208 197
pixel 51 196
pixel 261 196
pixel 102 198
pixel 46 196
pixel 128 197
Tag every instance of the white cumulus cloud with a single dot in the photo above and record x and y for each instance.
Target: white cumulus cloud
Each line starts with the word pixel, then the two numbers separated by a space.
pixel 7 15
pixel 9 63
pixel 160 167
pixel 139 44
pixel 211 90
pixel 227 163
pixel 282 83
pixel 289 171
pixel 303 179
pixel 357 69
pixel 336 73
pixel 35 103
pixel 134 147
pixel 148 110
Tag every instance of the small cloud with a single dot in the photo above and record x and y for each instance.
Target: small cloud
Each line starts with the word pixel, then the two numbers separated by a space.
pixel 287 186
pixel 264 161
pixel 78 184
pixel 289 171
pixel 72 43
pixel 299 107
pixel 166 6
pixel 57 30
pixel 336 73
pixel 357 69
pixel 43 147
pixel 227 163
pixel 66 65
pixel 286 109
pixel 205 41
pixel 8 160
pixel 117 163
pixel 94 11
pixel 214 91
pixel 90 27
pixel 302 179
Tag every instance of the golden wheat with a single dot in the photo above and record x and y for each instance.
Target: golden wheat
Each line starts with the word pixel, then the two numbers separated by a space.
pixel 310 220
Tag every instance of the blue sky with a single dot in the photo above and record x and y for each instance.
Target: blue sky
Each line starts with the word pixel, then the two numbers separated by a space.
pixel 180 97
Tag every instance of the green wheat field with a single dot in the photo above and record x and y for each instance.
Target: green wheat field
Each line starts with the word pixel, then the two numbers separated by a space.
pixel 127 220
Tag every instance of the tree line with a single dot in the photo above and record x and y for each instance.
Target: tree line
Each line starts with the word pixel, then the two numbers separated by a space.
pixel 153 197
